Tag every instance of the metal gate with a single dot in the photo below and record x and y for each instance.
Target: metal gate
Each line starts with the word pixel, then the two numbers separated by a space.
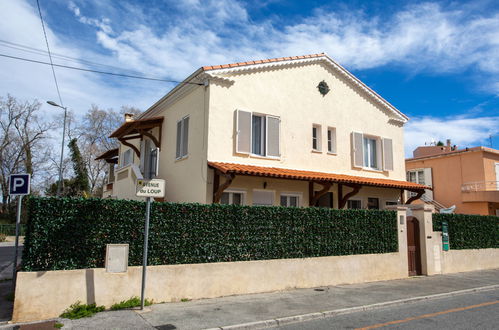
pixel 413 246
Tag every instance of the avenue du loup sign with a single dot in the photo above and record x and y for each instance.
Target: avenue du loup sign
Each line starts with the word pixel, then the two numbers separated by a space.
pixel 151 188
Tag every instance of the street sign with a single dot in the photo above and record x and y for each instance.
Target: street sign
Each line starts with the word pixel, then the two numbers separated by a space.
pixel 151 188
pixel 445 235
pixel 19 184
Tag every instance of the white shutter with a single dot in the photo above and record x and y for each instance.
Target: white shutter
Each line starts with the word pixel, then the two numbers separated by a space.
pixel 428 182
pixel 273 131
pixel 387 154
pixel 179 139
pixel 357 149
pixel 185 137
pixel 263 197
pixel 243 132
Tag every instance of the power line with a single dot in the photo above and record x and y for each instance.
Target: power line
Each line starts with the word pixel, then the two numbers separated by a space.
pixel 101 72
pixel 37 51
pixel 50 56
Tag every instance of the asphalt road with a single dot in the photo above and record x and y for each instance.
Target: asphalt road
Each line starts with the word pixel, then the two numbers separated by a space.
pixel 478 310
pixel 6 258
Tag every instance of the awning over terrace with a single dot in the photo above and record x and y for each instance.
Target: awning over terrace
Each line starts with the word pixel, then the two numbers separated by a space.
pixel 229 170
pixel 110 156
pixel 135 129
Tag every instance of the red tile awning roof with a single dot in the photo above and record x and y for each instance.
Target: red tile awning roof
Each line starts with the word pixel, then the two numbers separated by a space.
pixel 270 60
pixel 284 173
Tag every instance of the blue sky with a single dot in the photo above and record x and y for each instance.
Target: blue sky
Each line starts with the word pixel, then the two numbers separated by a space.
pixel 438 62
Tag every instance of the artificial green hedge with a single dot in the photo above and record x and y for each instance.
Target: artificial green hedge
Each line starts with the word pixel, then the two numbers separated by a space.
pixel 68 233
pixel 469 231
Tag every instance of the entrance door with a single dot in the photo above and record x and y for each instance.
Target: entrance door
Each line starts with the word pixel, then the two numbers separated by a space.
pixel 413 246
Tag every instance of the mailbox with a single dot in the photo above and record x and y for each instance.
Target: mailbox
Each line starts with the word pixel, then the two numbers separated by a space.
pixel 445 236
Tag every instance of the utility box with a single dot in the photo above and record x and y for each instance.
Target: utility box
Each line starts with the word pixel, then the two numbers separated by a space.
pixel 445 235
pixel 116 258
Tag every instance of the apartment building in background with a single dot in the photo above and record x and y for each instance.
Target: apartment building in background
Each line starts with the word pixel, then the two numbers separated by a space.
pixel 467 178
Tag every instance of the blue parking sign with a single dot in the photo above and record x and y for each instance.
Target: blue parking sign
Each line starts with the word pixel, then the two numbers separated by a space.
pixel 19 184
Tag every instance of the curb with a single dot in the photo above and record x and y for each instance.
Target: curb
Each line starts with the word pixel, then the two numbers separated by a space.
pixel 313 316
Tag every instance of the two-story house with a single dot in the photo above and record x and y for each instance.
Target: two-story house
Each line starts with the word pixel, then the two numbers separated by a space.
pixel 466 178
pixel 292 131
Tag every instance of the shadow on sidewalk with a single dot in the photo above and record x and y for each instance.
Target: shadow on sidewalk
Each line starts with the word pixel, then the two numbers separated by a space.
pixel 6 300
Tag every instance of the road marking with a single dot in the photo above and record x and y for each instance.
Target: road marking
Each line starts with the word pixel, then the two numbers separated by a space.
pixel 379 325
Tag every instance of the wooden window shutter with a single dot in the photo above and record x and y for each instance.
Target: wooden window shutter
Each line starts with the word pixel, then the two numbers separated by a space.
pixel 243 132
pixel 387 154
pixel 273 134
pixel 179 138
pixel 357 149
pixel 428 182
pixel 185 137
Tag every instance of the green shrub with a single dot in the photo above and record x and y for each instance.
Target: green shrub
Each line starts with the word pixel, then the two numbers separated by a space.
pixel 130 303
pixel 79 310
pixel 3 237
pixel 64 233
pixel 469 231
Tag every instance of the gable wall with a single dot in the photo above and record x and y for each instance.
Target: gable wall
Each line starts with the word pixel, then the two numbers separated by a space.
pixel 292 95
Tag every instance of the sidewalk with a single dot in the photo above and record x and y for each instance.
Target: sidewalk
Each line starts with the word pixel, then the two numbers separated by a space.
pixel 238 310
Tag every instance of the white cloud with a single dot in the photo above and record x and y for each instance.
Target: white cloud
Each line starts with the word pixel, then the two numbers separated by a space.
pixel 463 131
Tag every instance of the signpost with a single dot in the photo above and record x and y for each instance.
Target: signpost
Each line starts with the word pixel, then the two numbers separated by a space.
pixel 445 235
pixel 18 186
pixel 148 188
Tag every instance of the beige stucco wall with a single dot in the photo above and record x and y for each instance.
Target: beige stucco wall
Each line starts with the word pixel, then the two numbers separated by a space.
pixel 454 261
pixel 247 184
pixel 291 93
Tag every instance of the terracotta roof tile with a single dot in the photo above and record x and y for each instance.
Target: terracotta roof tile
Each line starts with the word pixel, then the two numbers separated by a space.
pixel 284 173
pixel 232 65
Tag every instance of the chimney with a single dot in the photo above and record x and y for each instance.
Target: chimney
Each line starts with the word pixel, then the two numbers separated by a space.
pixel 448 143
pixel 129 117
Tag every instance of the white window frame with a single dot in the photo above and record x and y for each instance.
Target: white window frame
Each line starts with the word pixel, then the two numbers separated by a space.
pixel 298 195
pixel 379 203
pixel 357 200
pixel 181 142
pixel 331 141
pixel 265 136
pixel 266 190
pixel 318 138
pixel 379 159
pixel 236 191
pixel 122 158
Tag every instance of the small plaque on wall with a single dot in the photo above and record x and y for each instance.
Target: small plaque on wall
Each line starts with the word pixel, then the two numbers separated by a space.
pixel 117 258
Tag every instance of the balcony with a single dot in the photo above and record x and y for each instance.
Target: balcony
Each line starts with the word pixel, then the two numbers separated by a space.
pixel 481 191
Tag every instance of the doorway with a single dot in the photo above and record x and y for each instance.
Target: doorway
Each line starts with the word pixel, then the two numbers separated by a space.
pixel 413 246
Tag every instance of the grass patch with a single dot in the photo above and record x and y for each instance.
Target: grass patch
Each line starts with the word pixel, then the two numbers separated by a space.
pixel 58 325
pixel 79 310
pixel 5 280
pixel 185 300
pixel 130 303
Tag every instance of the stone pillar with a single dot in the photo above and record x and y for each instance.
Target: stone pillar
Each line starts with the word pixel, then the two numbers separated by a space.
pixel 402 237
pixel 430 251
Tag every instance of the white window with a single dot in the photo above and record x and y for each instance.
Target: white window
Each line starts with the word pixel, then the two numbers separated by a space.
pixel 263 197
pixel 331 140
pixel 148 159
pixel 354 204
pixel 373 203
pixel 372 152
pixel 290 200
pixel 182 138
pixel 257 134
pixel 316 137
pixel 127 158
pixel 422 176
pixel 233 198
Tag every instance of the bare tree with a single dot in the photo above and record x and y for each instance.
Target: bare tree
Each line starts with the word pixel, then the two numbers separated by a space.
pixel 22 135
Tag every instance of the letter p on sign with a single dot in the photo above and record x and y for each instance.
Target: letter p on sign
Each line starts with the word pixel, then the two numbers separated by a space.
pixel 19 184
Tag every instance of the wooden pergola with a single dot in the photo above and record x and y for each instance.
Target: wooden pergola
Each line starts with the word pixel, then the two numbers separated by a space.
pixel 136 129
pixel 229 171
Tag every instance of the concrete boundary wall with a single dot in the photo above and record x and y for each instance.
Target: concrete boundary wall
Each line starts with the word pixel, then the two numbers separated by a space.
pixel 46 294
pixel 455 261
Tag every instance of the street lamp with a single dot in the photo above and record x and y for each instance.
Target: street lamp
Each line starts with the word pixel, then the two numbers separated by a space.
pixel 59 184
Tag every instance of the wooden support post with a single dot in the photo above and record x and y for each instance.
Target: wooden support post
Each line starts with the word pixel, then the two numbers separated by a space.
pixel 402 202
pixel 354 192
pixel 310 192
pixel 134 148
pixel 217 194
pixel 418 196
pixel 340 194
pixel 156 142
pixel 320 193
